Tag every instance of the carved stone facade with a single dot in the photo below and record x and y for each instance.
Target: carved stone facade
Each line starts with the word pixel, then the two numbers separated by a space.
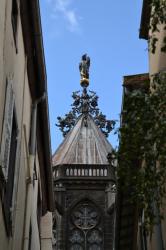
pixel 85 217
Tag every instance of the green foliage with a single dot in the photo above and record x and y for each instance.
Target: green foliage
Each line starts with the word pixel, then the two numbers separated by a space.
pixel 142 150
pixel 158 16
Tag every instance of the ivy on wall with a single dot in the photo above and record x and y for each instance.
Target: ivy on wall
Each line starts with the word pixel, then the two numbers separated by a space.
pixel 158 16
pixel 142 150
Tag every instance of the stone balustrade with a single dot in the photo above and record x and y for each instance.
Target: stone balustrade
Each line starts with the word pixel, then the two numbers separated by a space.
pixel 81 171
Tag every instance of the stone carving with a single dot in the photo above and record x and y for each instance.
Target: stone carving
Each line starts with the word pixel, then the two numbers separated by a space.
pixel 76 247
pixel 76 237
pixel 85 227
pixel 95 247
pixel 95 237
pixel 85 217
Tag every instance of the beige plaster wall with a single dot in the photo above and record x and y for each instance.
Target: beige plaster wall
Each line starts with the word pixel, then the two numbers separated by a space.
pixel 46 232
pixel 15 65
pixel 35 243
pixel 2 32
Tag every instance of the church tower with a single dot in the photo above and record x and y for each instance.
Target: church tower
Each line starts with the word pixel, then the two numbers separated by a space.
pixel 84 181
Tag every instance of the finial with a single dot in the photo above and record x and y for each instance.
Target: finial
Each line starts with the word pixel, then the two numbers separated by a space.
pixel 86 104
pixel 84 70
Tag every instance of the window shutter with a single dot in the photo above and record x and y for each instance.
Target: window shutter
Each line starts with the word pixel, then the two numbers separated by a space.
pixel 7 128
pixel 16 175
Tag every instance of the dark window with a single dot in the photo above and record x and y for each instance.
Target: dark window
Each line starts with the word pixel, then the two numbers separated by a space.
pixel 15 20
pixel 143 238
pixel 30 237
pixel 34 175
pixel 39 208
pixel 9 185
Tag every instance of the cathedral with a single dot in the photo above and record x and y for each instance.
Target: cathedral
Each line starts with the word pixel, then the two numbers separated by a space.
pixel 83 175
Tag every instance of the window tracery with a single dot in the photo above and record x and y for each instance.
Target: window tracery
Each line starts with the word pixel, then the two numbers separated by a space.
pixel 85 228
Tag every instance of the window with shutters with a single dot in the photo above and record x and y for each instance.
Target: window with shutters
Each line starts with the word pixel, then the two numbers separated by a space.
pixel 39 208
pixel 8 155
pixel 30 237
pixel 7 128
pixel 15 20
pixel 8 191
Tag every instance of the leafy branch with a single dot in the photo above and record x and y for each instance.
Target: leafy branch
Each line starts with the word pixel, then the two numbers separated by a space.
pixel 158 17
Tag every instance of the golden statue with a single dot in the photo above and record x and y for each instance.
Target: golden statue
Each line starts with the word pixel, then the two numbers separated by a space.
pixel 84 70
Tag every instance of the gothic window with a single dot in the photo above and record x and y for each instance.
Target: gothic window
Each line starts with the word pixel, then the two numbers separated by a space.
pixel 85 228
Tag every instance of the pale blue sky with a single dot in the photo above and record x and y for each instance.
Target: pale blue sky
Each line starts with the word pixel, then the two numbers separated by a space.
pixel 108 30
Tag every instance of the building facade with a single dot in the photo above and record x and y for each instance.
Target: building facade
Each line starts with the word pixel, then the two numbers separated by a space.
pixel 157 66
pixel 131 232
pixel 26 198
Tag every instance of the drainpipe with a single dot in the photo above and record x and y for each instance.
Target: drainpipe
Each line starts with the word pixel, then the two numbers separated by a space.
pixel 31 161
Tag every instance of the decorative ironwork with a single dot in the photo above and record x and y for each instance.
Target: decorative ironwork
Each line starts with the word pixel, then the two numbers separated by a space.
pixel 67 123
pixel 85 104
pixel 85 228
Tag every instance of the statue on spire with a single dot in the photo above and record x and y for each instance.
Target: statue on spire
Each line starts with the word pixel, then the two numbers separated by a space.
pixel 84 70
pixel 86 104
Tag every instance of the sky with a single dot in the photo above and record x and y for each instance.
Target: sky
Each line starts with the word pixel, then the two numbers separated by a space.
pixel 108 31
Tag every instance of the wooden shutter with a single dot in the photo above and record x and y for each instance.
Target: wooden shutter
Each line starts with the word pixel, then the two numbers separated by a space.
pixel 8 154
pixel 8 193
pixel 7 128
pixel 16 176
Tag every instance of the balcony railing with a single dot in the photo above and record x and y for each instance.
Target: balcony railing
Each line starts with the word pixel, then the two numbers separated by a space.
pixel 81 171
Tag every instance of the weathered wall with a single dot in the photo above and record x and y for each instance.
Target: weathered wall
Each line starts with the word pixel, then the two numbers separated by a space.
pixel 13 64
